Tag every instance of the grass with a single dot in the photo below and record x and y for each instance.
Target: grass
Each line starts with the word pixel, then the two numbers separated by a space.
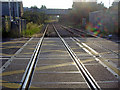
pixel 50 21
pixel 31 30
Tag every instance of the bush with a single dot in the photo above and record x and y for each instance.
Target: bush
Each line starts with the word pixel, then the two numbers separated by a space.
pixel 31 29
pixel 35 17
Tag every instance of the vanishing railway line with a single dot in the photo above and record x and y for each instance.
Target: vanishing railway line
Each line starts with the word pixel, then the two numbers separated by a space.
pixel 108 50
pixel 59 62
pixel 90 80
pixel 81 33
pixel 31 66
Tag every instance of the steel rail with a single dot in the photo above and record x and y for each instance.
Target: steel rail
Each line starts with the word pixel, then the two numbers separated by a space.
pixel 96 55
pixel 88 77
pixel 71 31
pixel 94 52
pixel 91 35
pixel 31 66
pixel 12 57
pixel 81 31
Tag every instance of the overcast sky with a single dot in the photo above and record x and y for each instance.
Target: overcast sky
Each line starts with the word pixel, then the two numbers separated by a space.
pixel 63 4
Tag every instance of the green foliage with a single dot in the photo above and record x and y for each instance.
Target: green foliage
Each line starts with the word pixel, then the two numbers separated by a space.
pixel 32 29
pixel 34 7
pixel 43 7
pixel 81 10
pixel 35 17
pixel 35 21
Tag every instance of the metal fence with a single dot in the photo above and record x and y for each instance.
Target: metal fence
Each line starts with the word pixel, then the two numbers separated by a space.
pixel 16 27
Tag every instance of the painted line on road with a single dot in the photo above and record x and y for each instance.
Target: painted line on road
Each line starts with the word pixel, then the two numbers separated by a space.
pixel 21 58
pixel 10 60
pixel 39 68
pixel 54 72
pixel 42 58
pixel 85 45
pixel 30 48
pixel 108 52
pixel 16 85
pixel 54 51
pixel 13 42
pixel 110 59
pixel 3 54
pixel 51 44
pixel 28 53
pixel 9 84
pixel 12 85
pixel 4 58
pixel 59 83
pixel 10 47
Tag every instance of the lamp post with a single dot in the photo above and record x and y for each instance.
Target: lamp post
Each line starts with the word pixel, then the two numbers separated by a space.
pixel 109 3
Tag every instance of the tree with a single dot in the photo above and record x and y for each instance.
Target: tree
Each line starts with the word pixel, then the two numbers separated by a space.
pixel 35 17
pixel 81 10
pixel 34 7
pixel 43 7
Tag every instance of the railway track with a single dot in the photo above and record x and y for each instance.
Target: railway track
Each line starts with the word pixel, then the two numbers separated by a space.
pixel 32 65
pixel 53 63
pixel 14 47
pixel 90 80
pixel 81 33
pixel 112 67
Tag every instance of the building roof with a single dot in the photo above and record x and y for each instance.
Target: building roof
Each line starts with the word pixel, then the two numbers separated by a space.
pixel 84 0
pixel 10 0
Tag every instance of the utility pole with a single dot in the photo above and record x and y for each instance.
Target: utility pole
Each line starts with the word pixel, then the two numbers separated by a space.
pixel 109 3
pixel 13 10
pixel 17 8
pixel 9 9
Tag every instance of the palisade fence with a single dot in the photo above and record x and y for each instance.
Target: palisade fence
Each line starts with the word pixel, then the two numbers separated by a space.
pixel 14 27
pixel 107 21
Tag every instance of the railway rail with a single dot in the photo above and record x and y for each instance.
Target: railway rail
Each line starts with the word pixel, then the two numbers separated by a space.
pixel 112 67
pixel 54 63
pixel 89 35
pixel 32 64
pixel 90 80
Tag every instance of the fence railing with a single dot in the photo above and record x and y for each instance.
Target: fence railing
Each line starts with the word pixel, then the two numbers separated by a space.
pixel 16 27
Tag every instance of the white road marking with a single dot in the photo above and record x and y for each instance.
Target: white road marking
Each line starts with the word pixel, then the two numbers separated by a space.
pixel 109 69
pixel 11 59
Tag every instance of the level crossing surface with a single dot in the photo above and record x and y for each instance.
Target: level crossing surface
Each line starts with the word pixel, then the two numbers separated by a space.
pixel 56 66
